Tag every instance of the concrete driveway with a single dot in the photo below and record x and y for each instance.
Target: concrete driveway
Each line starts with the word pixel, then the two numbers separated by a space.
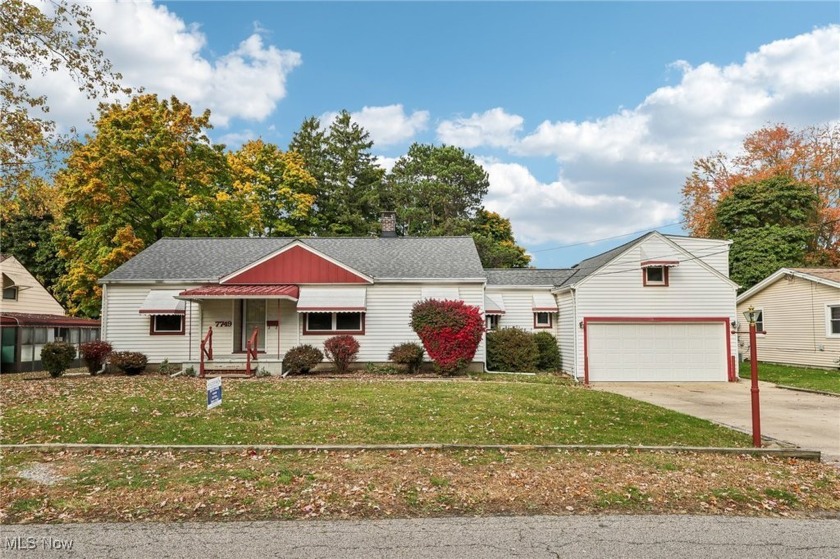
pixel 809 421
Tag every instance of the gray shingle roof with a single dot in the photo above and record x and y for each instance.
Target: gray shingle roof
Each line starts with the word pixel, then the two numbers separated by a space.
pixel 209 259
pixel 527 276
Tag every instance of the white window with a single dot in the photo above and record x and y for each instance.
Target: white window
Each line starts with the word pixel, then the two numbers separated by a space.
pixel 492 322
pixel 542 320
pixel 10 293
pixel 339 322
pixel 759 321
pixel 832 320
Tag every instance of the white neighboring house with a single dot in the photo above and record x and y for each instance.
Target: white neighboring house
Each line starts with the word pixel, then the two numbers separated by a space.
pixel 31 317
pixel 656 309
pixel 799 317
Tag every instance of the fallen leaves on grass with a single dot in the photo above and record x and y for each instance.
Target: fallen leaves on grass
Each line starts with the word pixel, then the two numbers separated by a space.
pixel 189 485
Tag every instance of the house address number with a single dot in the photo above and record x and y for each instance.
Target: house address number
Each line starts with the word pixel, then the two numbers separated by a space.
pixel 223 323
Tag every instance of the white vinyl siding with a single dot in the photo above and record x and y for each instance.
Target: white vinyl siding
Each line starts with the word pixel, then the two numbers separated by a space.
pixel 567 326
pixel 519 308
pixel 794 323
pixel 617 290
pixel 713 252
pixel 128 330
pixel 388 318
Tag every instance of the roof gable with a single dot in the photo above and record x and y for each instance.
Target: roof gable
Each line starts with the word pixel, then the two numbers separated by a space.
pixel 825 276
pixel 590 266
pixel 295 263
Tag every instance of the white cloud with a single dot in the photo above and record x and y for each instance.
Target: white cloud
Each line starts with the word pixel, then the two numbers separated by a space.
pixel 386 162
pixel 156 50
pixel 492 128
pixel 557 212
pixel 387 125
pixel 624 171
pixel 713 108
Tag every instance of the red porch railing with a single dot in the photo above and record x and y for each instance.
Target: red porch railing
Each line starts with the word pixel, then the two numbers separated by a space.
pixel 206 350
pixel 251 350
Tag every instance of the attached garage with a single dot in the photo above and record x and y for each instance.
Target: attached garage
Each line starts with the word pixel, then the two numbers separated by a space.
pixel 656 349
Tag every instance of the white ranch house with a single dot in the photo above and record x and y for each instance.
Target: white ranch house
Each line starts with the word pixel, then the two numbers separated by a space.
pixel 657 308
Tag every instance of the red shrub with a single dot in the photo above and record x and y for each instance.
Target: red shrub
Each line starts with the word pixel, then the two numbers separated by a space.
pixel 341 350
pixel 94 353
pixel 450 332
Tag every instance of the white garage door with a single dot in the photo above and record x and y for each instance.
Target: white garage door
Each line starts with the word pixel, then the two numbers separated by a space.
pixel 657 351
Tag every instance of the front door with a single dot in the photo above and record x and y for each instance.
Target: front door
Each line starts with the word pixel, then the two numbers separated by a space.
pixel 253 316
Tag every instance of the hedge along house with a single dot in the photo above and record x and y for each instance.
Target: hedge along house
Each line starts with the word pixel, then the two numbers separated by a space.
pixel 277 293
pixel 31 317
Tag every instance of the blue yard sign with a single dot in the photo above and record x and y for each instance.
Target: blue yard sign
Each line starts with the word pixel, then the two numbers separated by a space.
pixel 214 392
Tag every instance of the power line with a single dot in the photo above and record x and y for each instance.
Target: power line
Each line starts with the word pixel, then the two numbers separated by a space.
pixel 609 238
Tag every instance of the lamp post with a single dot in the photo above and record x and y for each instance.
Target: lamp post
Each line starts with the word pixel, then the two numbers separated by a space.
pixel 751 314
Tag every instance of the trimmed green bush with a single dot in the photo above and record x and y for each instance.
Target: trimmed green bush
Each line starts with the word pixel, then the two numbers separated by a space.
pixel 301 359
pixel 512 350
pixel 549 359
pixel 342 351
pixel 408 354
pixel 129 362
pixel 57 357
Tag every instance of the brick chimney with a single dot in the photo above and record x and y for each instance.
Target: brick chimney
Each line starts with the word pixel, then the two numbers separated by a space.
pixel 389 224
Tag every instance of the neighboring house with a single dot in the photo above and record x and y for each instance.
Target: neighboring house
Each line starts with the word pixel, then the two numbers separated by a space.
pixel 799 317
pixel 657 308
pixel 31 317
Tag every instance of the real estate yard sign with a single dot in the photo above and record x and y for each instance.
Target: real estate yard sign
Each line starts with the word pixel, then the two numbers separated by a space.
pixel 214 392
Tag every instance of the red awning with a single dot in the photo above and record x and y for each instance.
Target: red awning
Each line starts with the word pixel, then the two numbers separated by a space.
pixel 54 320
pixel 242 292
pixel 660 263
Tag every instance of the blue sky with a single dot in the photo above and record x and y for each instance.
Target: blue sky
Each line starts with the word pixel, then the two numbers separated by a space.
pixel 587 116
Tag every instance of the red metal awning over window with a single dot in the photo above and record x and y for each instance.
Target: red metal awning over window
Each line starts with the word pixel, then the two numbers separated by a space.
pixel 242 292
pixel 660 263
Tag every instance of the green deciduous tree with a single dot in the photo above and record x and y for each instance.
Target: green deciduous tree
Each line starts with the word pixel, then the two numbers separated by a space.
pixel 497 248
pixel 771 223
pixel 147 171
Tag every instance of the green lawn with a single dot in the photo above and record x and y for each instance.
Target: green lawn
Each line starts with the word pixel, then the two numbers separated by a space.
pixel 800 377
pixel 160 410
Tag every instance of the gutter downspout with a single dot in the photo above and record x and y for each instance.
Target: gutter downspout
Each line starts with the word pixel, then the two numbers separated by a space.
pixel 575 330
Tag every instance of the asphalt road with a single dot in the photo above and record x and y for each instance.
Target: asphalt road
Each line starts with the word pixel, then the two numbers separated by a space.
pixel 649 537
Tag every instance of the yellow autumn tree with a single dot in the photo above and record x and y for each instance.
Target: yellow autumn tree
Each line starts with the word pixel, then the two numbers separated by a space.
pixel 275 190
pixel 147 171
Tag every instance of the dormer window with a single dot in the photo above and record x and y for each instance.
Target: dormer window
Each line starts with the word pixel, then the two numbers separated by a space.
pixel 10 293
pixel 655 272
pixel 656 275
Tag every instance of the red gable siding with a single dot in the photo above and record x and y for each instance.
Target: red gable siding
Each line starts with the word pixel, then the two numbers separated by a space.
pixel 296 265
